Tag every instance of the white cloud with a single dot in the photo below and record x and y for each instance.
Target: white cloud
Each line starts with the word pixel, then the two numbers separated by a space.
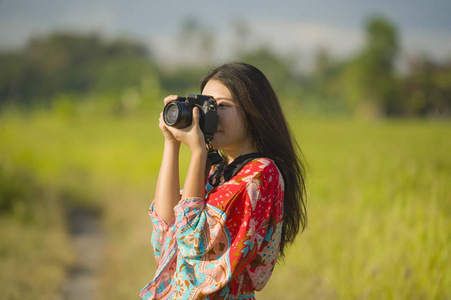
pixel 435 45
pixel 302 39
pixel 309 37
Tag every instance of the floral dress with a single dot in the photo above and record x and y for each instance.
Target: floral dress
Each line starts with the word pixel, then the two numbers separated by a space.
pixel 224 246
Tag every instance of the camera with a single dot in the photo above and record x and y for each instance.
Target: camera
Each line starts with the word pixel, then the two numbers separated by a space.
pixel 179 113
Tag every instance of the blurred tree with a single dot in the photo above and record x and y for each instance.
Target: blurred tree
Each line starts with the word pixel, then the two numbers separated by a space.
pixel 62 62
pixel 65 67
pixel 427 88
pixel 278 69
pixel 197 40
pixel 322 63
pixel 241 33
pixel 369 82
pixel 322 87
pixel 70 63
pixel 13 77
pixel 189 30
pixel 183 80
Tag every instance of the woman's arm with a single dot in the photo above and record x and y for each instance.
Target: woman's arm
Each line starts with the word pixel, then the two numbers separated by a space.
pixel 193 137
pixel 194 186
pixel 167 193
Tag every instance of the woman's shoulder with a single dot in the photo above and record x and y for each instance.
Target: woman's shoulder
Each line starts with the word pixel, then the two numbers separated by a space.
pixel 262 163
pixel 259 168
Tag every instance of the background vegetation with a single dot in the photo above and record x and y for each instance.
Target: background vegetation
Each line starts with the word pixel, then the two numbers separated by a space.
pixel 78 128
pixel 64 67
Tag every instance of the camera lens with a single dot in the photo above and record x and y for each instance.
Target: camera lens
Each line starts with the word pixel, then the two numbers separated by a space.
pixel 178 114
pixel 172 114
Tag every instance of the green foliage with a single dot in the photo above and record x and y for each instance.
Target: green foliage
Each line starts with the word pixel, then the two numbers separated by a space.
pixel 69 63
pixel 427 89
pixel 183 80
pixel 117 73
pixel 15 192
pixel 367 82
pixel 279 70
pixel 368 85
pixel 381 46
pixel 13 77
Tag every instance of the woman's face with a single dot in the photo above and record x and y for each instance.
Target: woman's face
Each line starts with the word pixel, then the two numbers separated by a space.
pixel 231 135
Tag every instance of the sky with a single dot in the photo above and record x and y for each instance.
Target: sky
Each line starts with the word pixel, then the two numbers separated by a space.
pixel 286 26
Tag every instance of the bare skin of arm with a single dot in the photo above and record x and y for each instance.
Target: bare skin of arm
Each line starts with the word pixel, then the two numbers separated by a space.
pixel 167 192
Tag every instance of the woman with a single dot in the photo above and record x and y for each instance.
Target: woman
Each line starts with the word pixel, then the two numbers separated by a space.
pixel 223 242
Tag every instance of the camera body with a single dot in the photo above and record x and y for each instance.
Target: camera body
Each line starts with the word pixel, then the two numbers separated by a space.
pixel 179 113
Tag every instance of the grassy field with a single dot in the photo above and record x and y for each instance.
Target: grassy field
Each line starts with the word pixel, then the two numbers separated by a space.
pixel 379 206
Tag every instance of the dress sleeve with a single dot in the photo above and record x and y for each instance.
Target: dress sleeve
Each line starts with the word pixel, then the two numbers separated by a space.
pixel 216 242
pixel 159 233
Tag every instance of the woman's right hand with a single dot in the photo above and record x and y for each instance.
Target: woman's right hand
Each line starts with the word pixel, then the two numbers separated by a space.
pixel 168 136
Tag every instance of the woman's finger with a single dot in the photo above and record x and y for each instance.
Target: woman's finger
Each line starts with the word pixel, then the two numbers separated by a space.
pixel 196 116
pixel 170 98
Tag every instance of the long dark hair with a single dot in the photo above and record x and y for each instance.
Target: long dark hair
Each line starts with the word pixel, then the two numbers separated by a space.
pixel 269 131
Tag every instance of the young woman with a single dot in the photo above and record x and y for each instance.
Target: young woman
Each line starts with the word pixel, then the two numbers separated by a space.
pixel 222 242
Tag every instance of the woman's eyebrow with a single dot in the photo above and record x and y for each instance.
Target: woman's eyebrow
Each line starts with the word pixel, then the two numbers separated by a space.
pixel 224 99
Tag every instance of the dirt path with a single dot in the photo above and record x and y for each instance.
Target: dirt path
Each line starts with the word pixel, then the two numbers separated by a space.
pixel 87 239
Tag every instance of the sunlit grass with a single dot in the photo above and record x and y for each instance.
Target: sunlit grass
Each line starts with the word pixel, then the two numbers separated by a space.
pixel 379 214
pixel 379 201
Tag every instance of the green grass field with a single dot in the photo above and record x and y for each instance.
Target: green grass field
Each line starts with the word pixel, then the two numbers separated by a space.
pixel 379 206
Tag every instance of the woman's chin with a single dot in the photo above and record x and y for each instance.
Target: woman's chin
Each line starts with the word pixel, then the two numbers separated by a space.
pixel 216 144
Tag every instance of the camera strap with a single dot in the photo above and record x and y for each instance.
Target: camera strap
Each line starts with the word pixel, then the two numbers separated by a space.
pixel 216 160
pixel 232 169
pixel 238 163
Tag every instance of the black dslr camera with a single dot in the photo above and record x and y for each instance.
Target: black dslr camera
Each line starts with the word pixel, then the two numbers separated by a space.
pixel 179 113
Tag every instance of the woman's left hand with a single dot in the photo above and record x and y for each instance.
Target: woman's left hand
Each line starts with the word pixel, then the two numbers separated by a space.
pixel 191 136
